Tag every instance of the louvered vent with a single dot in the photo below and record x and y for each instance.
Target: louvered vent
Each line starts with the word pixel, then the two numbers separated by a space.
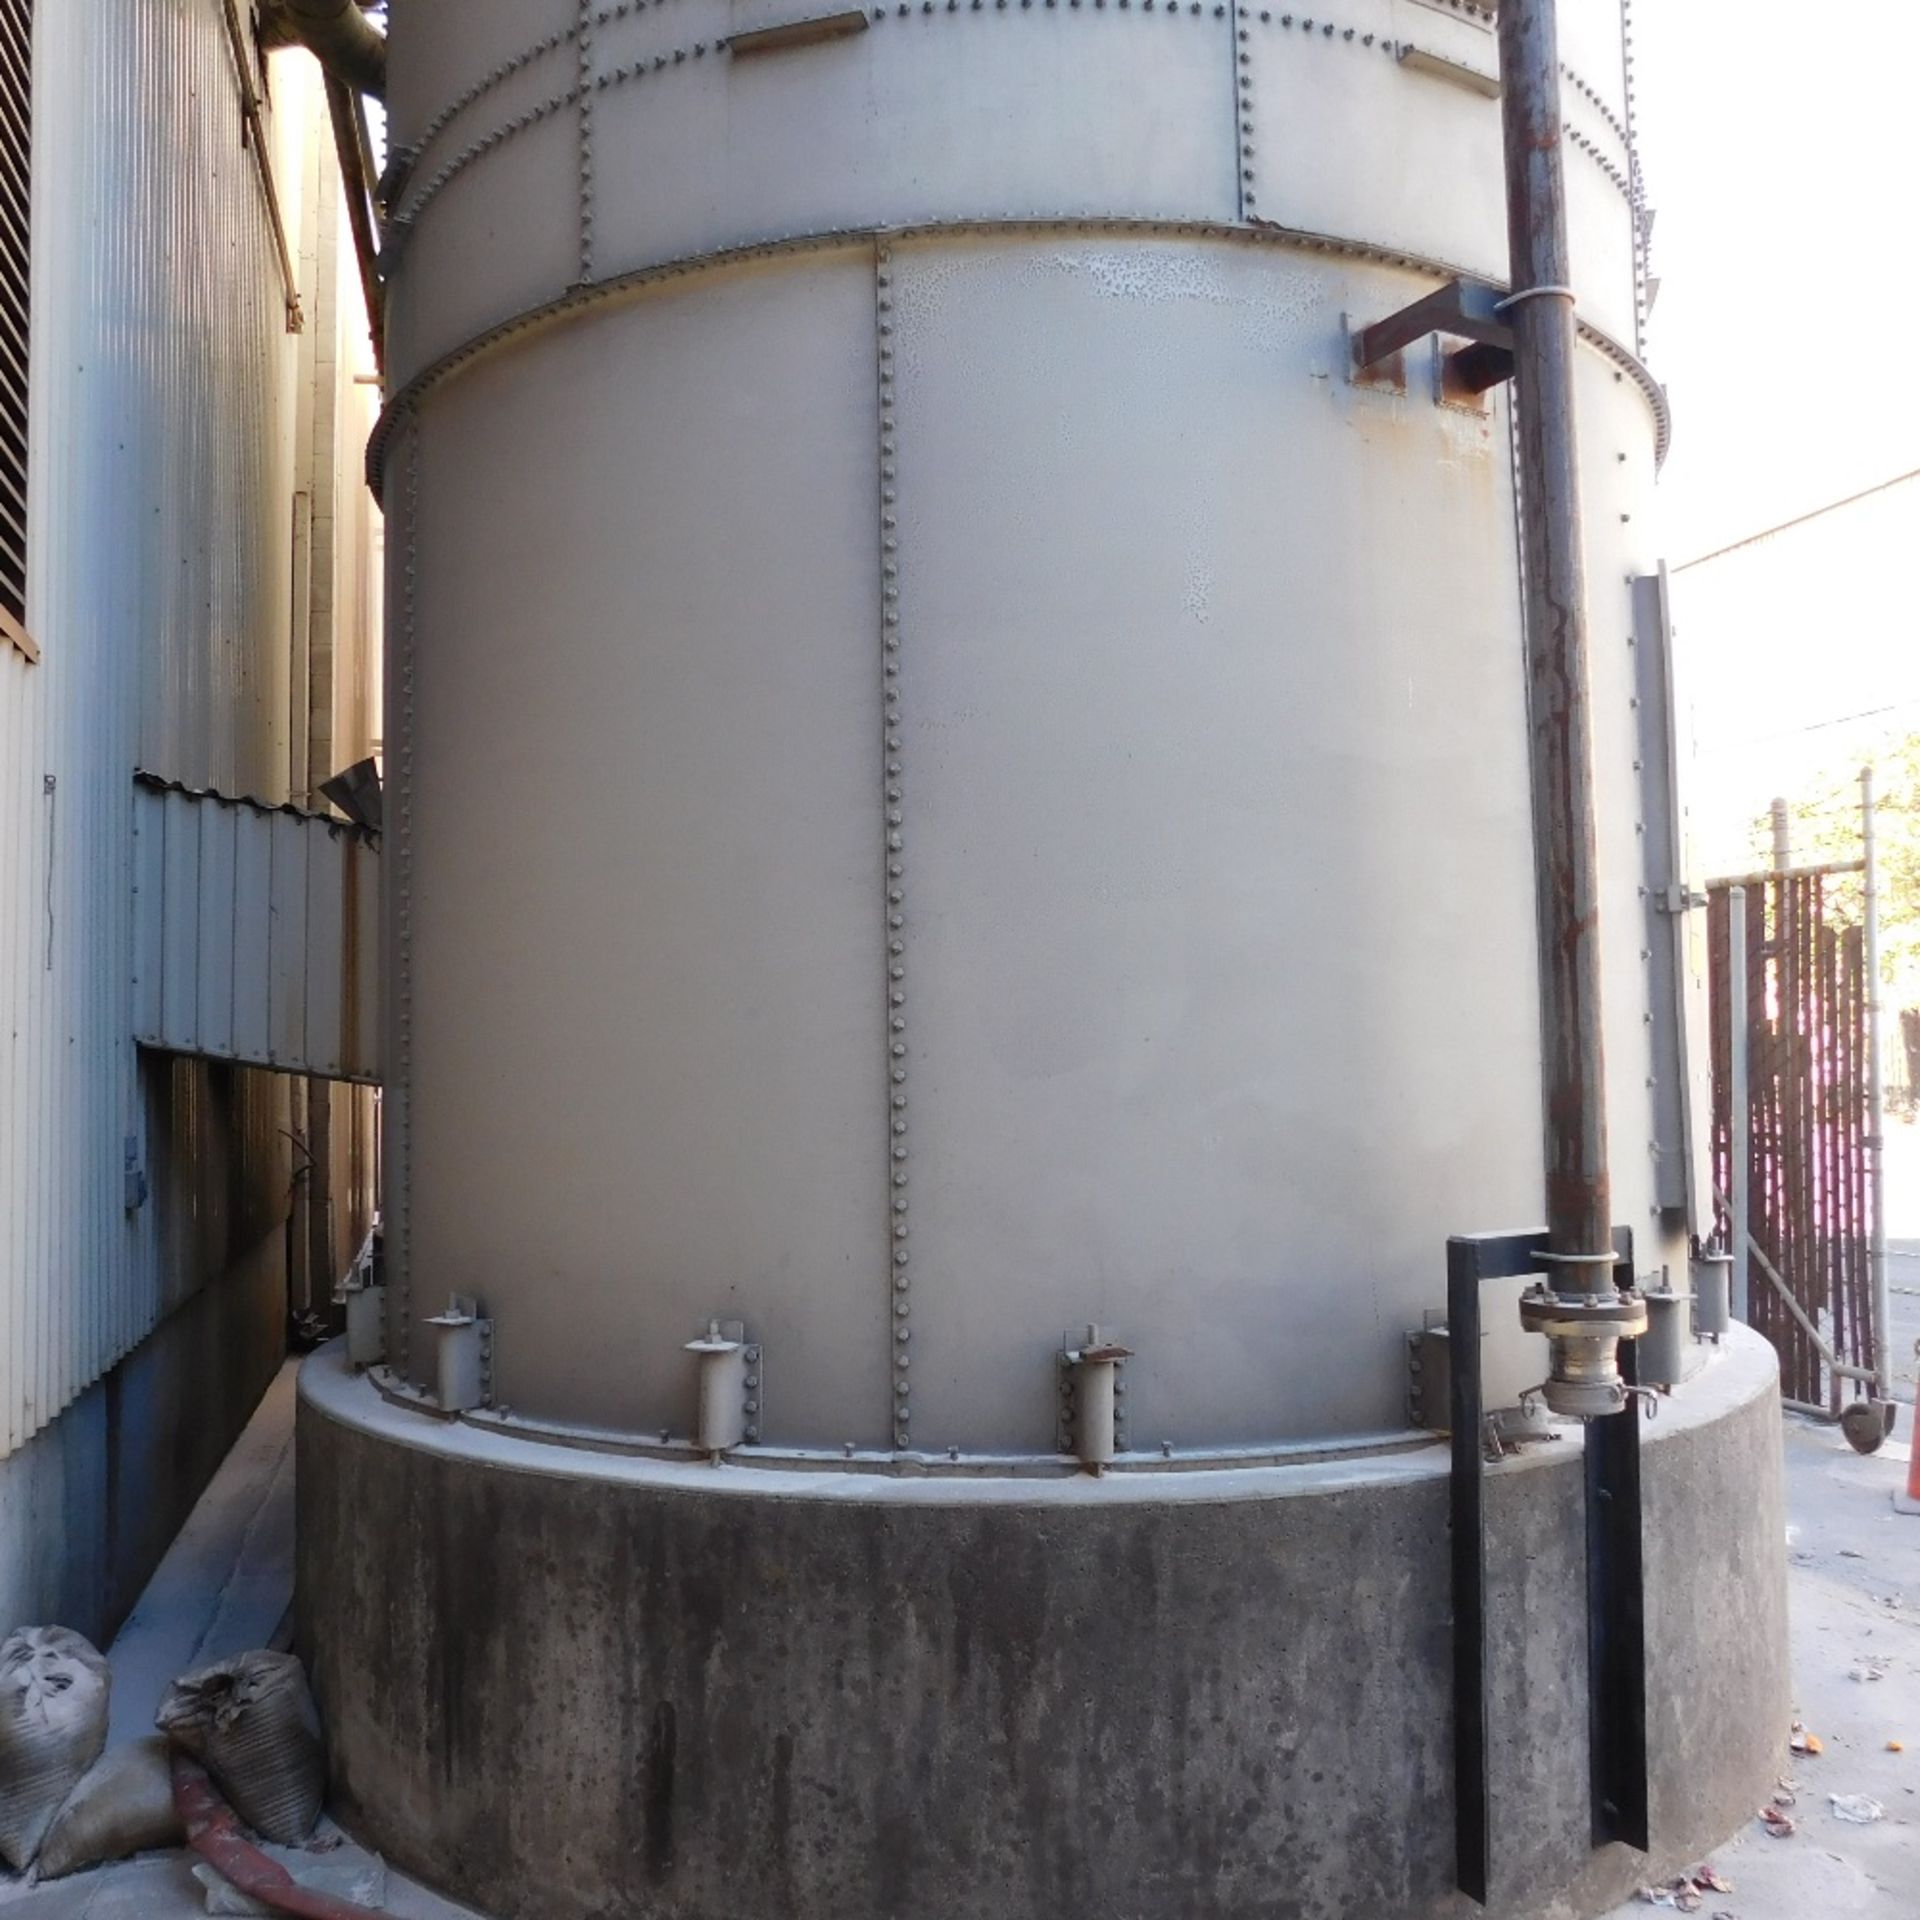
pixel 16 154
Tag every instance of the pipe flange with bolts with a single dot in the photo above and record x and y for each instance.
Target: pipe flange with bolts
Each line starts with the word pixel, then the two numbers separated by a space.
pixel 1584 1331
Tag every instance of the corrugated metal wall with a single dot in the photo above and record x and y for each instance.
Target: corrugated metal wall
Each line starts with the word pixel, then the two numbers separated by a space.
pixel 164 401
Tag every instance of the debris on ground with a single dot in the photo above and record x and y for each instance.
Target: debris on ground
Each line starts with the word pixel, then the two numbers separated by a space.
pixel 1867 1670
pixel 53 1726
pixel 1779 1824
pixel 1896 1746
pixel 1681 1894
pixel 1801 1741
pixel 1856 1808
pixel 1687 1894
pixel 361 1880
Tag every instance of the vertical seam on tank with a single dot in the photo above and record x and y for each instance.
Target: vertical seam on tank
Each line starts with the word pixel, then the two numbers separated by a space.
pixel 1240 47
pixel 1636 187
pixel 403 898
pixel 892 787
pixel 583 66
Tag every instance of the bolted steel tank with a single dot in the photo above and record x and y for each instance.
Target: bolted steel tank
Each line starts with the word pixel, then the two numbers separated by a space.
pixel 959 774
pixel 962 935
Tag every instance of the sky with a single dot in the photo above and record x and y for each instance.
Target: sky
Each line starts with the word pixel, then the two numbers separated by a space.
pixel 1778 145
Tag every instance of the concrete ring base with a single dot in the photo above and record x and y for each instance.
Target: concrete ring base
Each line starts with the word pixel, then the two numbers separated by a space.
pixel 567 1686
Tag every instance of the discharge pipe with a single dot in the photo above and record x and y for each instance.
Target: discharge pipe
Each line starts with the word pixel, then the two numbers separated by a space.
pixel 1580 1310
pixel 344 41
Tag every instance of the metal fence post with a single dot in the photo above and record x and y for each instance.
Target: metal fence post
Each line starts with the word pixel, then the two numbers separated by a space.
pixel 1876 1099
pixel 1739 1115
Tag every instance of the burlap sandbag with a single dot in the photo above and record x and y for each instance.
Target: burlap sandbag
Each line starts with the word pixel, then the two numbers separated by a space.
pixel 53 1723
pixel 250 1721
pixel 123 1806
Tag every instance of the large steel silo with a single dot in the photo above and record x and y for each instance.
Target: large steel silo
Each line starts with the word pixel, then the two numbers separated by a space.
pixel 959 835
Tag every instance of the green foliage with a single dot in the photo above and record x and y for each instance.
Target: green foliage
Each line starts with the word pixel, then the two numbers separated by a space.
pixel 1825 818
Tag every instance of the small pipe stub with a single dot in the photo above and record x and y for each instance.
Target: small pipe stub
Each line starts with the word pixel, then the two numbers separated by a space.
pixel 1583 1331
pixel 366 1324
pixel 1664 1346
pixel 1093 1365
pixel 460 1355
pixel 720 1354
pixel 1712 1275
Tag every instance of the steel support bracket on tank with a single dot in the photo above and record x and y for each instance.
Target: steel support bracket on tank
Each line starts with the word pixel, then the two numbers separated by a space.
pixel 1616 1594
pixel 1463 309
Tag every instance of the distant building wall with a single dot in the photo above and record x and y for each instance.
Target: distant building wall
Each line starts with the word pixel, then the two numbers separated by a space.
pixel 145 1200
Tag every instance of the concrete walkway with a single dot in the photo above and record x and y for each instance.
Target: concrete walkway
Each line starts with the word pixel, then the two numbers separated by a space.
pixel 1854 1597
pixel 225 1586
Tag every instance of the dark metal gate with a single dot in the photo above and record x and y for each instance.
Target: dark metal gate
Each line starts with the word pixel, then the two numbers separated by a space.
pixel 1810 1287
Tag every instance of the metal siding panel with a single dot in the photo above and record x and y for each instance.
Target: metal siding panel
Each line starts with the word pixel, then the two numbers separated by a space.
pixel 325 953
pixel 729 1126
pixel 1349 142
pixel 218 835
pixel 362 1041
pixel 953 116
pixel 1600 240
pixel 180 928
pixel 157 589
pixel 150 902
pixel 252 934
pixel 287 941
pixel 1187 807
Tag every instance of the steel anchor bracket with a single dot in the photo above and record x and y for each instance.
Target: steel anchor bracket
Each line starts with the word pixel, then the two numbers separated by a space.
pixel 1469 310
pixel 1616 1597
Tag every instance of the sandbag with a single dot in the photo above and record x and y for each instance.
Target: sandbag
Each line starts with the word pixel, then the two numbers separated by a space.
pixel 53 1724
pixel 123 1806
pixel 250 1721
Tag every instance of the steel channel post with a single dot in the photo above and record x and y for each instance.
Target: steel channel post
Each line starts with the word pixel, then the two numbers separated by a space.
pixel 1540 311
pixel 1467 1545
pixel 1739 1115
pixel 1876 1096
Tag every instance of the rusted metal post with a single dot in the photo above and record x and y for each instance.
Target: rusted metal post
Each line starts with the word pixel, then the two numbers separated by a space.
pixel 1540 309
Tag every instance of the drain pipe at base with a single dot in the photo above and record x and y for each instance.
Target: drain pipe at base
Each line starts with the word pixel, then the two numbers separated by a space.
pixel 213 1832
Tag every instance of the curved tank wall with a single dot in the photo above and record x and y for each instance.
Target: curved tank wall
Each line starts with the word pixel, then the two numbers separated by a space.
pixel 954 777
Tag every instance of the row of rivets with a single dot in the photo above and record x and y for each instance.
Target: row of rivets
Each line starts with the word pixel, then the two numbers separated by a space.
pixel 574 96
pixel 1243 115
pixel 894 844
pixel 1642 249
pixel 498 75
pixel 583 62
pixel 402 1142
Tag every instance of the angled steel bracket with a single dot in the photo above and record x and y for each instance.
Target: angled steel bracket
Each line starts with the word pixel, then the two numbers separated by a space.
pixel 1616 1598
pixel 1464 309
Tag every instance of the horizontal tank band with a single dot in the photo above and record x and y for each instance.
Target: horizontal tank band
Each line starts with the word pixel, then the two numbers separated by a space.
pixel 378 1402
pixel 897 1463
pixel 663 61
pixel 604 293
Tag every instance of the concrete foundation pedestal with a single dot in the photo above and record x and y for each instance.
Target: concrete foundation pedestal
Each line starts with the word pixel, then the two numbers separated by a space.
pixel 573 1685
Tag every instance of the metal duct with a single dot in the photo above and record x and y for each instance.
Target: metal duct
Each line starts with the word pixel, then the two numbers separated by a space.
pixel 343 40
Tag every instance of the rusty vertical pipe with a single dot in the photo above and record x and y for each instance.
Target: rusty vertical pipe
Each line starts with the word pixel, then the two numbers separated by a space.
pixel 1540 311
